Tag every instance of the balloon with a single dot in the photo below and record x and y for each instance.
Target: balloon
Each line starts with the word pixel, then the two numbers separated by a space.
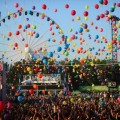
pixel 101 29
pixel 2 106
pixel 17 32
pixel 16 45
pixel 80 30
pixel 31 91
pixel 96 6
pixel 118 99
pixel 50 54
pixel 106 12
pixel 45 61
pixel 66 53
pixel 19 26
pixel 16 5
pixel 118 4
pixel 85 26
pixel 101 1
pixel 82 61
pixel 20 98
pixel 86 7
pixel 73 12
pixel 33 7
pixel 37 35
pixel 112 9
pixel 44 6
pixel 66 6
pixel 97 36
pixel 34 26
pixel 28 69
pixel 35 86
pixel 26 45
pixel 85 13
pixel 77 18
pixel 98 17
pixel 105 2
pixel 55 10
pixel 102 15
pixel 40 75
pixel 10 34
pixel 59 49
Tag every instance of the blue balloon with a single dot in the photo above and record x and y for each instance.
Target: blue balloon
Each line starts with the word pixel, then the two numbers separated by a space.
pixel 80 30
pixel 31 12
pixel 50 54
pixel 59 49
pixel 67 46
pixel 37 35
pixel 97 36
pixel 101 1
pixel 45 61
pixel 20 98
pixel 112 9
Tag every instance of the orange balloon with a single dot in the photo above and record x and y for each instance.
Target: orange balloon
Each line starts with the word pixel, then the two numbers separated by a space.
pixel 14 15
pixel 40 75
pixel 35 86
pixel 10 34
pixel 82 61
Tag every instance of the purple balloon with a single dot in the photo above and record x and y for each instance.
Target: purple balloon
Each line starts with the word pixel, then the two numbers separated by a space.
pixel 85 26
pixel 106 12
pixel 98 17
pixel 33 7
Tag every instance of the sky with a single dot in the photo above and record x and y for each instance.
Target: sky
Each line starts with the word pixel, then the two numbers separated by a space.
pixel 83 45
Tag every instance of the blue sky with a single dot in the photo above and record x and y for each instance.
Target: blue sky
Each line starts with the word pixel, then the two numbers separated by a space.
pixel 66 21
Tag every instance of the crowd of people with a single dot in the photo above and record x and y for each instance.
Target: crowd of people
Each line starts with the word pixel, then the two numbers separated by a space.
pixel 82 106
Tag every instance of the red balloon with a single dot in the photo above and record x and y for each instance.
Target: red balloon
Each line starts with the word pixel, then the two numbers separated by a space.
pixel 2 106
pixel 66 6
pixel 105 2
pixel 17 32
pixel 102 16
pixel 31 91
pixel 118 4
pixel 28 25
pixel 44 6
pixel 85 13
pixel 73 12
pixel 16 45
pixel 96 6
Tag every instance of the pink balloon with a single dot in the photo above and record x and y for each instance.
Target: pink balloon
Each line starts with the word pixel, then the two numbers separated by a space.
pixel 16 5
pixel 55 10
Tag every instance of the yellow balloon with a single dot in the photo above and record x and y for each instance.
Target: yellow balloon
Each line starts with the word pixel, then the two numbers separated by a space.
pixel 86 18
pixel 43 14
pixel 9 13
pixel 74 44
pixel 78 18
pixel 60 31
pixel 86 7
pixel 4 36
pixel 69 39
